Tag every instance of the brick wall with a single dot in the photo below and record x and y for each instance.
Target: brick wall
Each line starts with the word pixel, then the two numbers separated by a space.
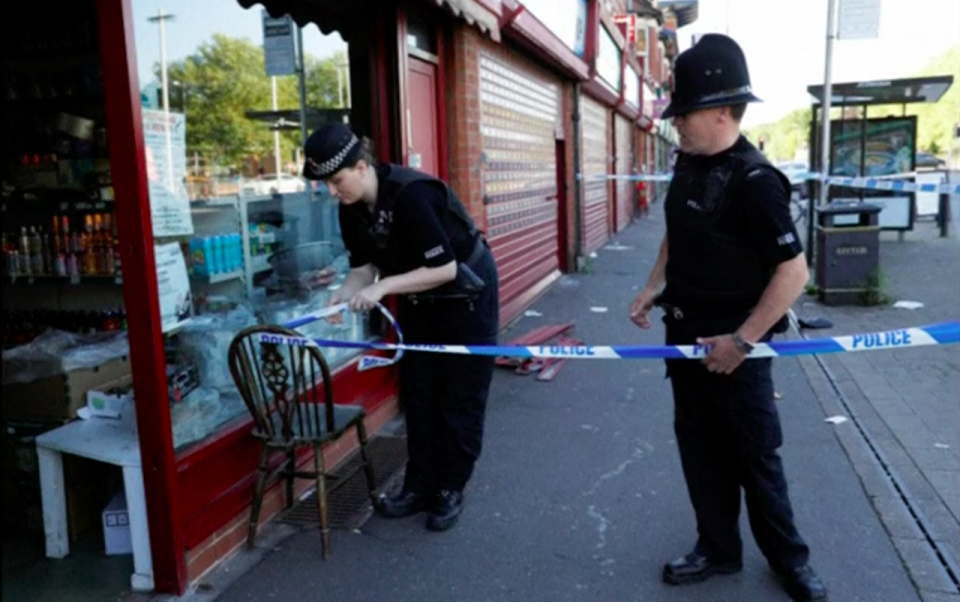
pixel 463 116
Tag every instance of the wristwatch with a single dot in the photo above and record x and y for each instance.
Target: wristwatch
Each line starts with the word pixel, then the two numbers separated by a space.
pixel 741 343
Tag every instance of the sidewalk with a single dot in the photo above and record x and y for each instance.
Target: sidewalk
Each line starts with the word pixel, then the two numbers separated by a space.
pixel 579 493
pixel 908 402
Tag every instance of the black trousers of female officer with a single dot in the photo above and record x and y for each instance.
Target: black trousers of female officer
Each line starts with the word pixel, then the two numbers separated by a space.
pixel 444 396
pixel 728 431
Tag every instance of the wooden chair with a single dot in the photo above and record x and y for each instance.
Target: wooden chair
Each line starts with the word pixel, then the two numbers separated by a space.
pixel 280 385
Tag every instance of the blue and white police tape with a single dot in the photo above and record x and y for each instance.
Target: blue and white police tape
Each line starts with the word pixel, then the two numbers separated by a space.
pixel 880 183
pixel 946 333
pixel 366 361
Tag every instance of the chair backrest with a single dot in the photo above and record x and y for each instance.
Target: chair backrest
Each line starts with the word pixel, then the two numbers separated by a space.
pixel 288 382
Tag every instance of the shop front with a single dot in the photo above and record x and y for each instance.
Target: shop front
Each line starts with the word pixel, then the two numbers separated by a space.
pixel 154 208
pixel 164 138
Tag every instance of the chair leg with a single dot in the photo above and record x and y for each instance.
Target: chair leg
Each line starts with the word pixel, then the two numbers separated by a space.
pixel 258 496
pixel 321 471
pixel 291 469
pixel 367 464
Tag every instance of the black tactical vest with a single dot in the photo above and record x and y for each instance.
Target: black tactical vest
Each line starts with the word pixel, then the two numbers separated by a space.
pixel 390 188
pixel 711 271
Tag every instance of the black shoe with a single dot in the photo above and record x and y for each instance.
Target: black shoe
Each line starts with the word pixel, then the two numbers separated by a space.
pixel 446 510
pixel 403 504
pixel 694 568
pixel 803 585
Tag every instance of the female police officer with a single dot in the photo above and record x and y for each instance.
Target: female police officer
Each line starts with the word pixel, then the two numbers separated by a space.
pixel 412 231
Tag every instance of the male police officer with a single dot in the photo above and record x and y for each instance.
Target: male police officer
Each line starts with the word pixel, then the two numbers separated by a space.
pixel 732 265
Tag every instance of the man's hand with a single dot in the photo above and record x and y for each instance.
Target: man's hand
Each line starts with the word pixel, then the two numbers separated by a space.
pixel 367 297
pixel 641 307
pixel 724 356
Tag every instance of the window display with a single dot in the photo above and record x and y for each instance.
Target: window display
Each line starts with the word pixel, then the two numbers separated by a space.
pixel 223 137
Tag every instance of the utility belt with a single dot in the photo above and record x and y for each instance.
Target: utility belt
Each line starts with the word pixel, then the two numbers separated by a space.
pixel 706 312
pixel 466 287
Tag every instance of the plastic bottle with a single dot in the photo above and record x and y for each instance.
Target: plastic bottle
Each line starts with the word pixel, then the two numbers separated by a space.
pixel 220 244
pixel 36 252
pixel 26 267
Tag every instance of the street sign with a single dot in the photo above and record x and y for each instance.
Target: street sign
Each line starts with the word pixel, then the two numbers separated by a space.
pixel 859 19
pixel 279 51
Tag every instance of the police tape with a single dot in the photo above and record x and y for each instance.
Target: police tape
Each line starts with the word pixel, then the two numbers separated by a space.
pixel 879 183
pixel 946 333
pixel 366 361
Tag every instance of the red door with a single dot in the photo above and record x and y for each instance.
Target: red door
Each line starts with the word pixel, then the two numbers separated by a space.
pixel 423 152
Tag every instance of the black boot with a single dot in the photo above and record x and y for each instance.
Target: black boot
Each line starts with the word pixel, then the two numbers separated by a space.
pixel 447 507
pixel 405 503
pixel 803 585
pixel 694 568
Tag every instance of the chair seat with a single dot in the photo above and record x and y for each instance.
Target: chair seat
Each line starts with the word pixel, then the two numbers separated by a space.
pixel 343 417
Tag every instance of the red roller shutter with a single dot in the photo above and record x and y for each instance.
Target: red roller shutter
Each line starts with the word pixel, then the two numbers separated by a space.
pixel 596 144
pixel 519 115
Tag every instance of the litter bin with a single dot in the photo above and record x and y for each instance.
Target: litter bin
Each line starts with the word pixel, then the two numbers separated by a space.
pixel 848 243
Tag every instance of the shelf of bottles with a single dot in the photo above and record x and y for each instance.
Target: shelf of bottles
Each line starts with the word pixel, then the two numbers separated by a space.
pixel 88 252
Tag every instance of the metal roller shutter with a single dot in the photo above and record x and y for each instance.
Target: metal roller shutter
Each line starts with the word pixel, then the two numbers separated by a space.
pixel 595 219
pixel 518 121
pixel 624 130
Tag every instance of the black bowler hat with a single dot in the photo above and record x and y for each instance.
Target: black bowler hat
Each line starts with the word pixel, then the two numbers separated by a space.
pixel 330 149
pixel 711 74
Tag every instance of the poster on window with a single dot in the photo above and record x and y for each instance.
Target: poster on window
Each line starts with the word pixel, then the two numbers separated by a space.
pixel 165 143
pixel 173 286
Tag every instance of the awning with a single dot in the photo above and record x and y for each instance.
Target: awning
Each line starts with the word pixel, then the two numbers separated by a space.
pixel 886 92
pixel 349 18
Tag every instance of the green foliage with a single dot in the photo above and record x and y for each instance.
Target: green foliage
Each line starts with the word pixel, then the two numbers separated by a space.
pixel 935 121
pixel 226 77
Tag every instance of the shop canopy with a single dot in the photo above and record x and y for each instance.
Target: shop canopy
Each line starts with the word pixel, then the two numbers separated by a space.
pixel 885 92
pixel 346 18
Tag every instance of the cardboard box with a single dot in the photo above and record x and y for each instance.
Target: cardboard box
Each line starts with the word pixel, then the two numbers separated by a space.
pixel 59 396
pixel 102 402
pixel 116 527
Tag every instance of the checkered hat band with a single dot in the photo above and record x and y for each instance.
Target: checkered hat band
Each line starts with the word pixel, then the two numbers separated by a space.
pixel 331 165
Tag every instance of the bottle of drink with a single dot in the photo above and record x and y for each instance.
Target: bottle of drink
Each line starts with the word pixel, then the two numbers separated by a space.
pixel 55 236
pixel 106 246
pixel 96 240
pixel 65 243
pixel 36 252
pixel 89 253
pixel 116 252
pixel 26 265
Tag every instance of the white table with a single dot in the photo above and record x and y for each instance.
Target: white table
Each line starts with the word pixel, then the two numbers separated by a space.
pixel 104 440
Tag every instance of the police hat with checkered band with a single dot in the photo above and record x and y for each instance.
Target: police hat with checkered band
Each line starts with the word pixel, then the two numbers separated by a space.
pixel 330 149
pixel 711 74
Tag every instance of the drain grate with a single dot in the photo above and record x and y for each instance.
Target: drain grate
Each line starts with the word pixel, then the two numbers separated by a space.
pixel 348 506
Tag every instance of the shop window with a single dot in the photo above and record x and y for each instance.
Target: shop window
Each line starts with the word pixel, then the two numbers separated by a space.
pixel 241 238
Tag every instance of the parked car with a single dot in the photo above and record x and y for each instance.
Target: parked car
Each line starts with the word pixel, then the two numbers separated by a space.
pixel 265 185
pixel 928 160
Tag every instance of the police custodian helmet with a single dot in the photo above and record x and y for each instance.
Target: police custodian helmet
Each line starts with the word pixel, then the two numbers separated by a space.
pixel 713 73
pixel 330 149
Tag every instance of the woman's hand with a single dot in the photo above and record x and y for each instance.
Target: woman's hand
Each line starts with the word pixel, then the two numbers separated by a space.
pixel 336 318
pixel 367 297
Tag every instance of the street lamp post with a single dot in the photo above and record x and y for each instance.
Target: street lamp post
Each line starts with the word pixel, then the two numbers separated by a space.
pixel 162 18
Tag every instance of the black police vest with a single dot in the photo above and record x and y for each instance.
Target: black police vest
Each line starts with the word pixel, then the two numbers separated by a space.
pixel 390 189
pixel 711 271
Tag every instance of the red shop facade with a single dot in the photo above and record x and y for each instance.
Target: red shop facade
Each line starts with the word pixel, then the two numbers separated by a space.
pixel 529 118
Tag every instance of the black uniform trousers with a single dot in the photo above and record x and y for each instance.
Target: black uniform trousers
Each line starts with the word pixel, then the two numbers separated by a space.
pixel 444 396
pixel 728 431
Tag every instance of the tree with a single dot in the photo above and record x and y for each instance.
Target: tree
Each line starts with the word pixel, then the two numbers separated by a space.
pixel 223 80
pixel 935 121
